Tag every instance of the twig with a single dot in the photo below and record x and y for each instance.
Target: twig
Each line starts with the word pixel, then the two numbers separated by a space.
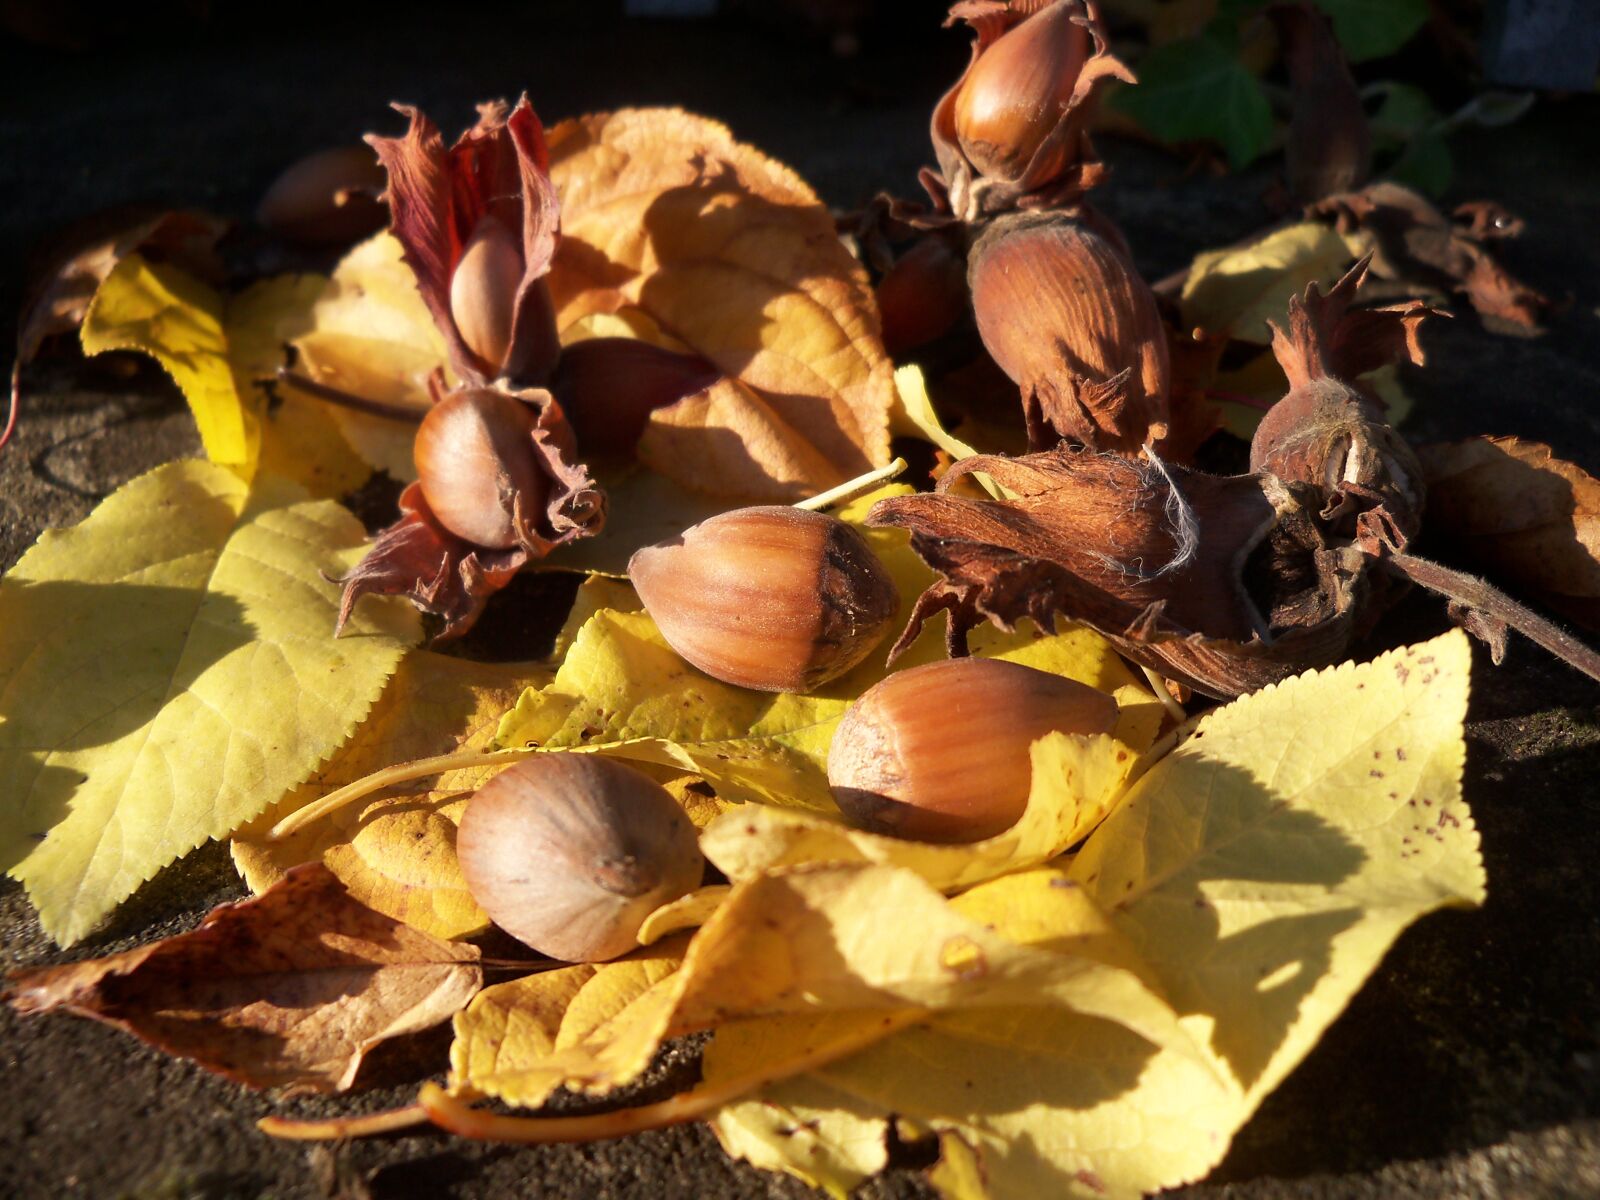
pixel 1476 593
pixel 15 405
pixel 344 399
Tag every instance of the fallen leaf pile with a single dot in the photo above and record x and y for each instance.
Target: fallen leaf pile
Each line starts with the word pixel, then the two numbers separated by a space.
pixel 604 333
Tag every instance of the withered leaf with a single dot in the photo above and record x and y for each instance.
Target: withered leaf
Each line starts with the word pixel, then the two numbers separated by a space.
pixel 681 235
pixel 1411 240
pixel 1329 143
pixel 293 987
pixel 78 260
pixel 1513 509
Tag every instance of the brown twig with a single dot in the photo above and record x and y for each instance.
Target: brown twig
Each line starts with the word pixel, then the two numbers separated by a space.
pixel 344 399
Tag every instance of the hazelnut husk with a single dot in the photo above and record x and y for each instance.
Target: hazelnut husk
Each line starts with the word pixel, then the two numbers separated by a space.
pixel 771 598
pixel 939 753
pixel 1064 313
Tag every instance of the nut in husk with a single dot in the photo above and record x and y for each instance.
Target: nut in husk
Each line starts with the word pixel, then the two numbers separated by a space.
pixel 1065 315
pixel 483 291
pixel 939 753
pixel 1011 133
pixel 771 598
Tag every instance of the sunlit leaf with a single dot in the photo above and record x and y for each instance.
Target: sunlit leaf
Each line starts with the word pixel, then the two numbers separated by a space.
pixel 1239 289
pixel 177 320
pixel 666 214
pixel 396 854
pixel 168 671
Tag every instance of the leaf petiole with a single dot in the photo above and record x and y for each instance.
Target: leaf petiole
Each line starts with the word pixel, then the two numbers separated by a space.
pixel 852 488
pixel 336 1128
pixel 418 768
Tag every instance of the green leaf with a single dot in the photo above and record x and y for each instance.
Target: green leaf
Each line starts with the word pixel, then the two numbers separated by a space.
pixel 1426 165
pixel 160 311
pixel 168 671
pixel 1373 28
pixel 1404 113
pixel 1196 89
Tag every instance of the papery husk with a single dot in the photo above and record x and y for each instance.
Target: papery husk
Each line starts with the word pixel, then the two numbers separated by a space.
pixel 498 167
pixel 450 577
pixel 1065 314
pixel 1183 571
pixel 1064 165
pixel 1329 145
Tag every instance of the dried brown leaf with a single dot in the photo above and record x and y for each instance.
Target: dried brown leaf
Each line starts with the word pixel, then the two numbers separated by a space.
pixel 1514 510
pixel 293 987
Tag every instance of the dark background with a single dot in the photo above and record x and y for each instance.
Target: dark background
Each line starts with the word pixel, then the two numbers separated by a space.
pixel 1469 1065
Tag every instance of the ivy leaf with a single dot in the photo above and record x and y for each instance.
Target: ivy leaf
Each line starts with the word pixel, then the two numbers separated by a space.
pixel 1373 28
pixel 168 671
pixel 291 988
pixel 1195 90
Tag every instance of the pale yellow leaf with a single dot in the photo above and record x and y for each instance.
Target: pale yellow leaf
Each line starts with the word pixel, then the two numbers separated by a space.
pixel 396 854
pixel 158 310
pixel 1238 289
pixel 168 670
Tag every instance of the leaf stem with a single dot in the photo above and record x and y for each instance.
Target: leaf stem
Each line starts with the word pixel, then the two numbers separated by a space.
pixel 344 399
pixel 15 404
pixel 852 488
pixel 335 1128
pixel 448 1112
pixel 418 768
pixel 1477 593
pixel 1168 701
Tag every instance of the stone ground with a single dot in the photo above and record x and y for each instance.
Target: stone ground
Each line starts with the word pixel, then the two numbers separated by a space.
pixel 1470 1063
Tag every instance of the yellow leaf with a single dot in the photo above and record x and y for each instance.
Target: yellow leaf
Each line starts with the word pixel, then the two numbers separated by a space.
pixel 621 690
pixel 177 320
pixel 1237 290
pixel 299 439
pixel 1263 868
pixel 1255 876
pixel 1075 780
pixel 372 336
pixel 685 912
pixel 509 1033
pixel 665 214
pixel 397 855
pixel 913 414
pixel 642 508
pixel 168 669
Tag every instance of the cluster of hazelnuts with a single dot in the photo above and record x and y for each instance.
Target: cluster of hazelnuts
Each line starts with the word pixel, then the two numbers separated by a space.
pixel 570 852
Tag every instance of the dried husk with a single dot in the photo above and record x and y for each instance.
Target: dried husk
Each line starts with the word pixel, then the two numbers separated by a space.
pixel 1062 310
pixel 1064 165
pixel 1224 584
pixel 439 197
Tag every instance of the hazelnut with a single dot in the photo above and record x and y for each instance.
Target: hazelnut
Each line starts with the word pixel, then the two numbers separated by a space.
pixel 939 753
pixel 772 598
pixel 478 467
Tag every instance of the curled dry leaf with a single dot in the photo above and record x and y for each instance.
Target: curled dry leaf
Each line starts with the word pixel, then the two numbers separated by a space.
pixel 1514 510
pixel 1411 240
pixel 78 260
pixel 396 854
pixel 290 988
pixel 1013 131
pixel 728 256
pixel 1224 584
